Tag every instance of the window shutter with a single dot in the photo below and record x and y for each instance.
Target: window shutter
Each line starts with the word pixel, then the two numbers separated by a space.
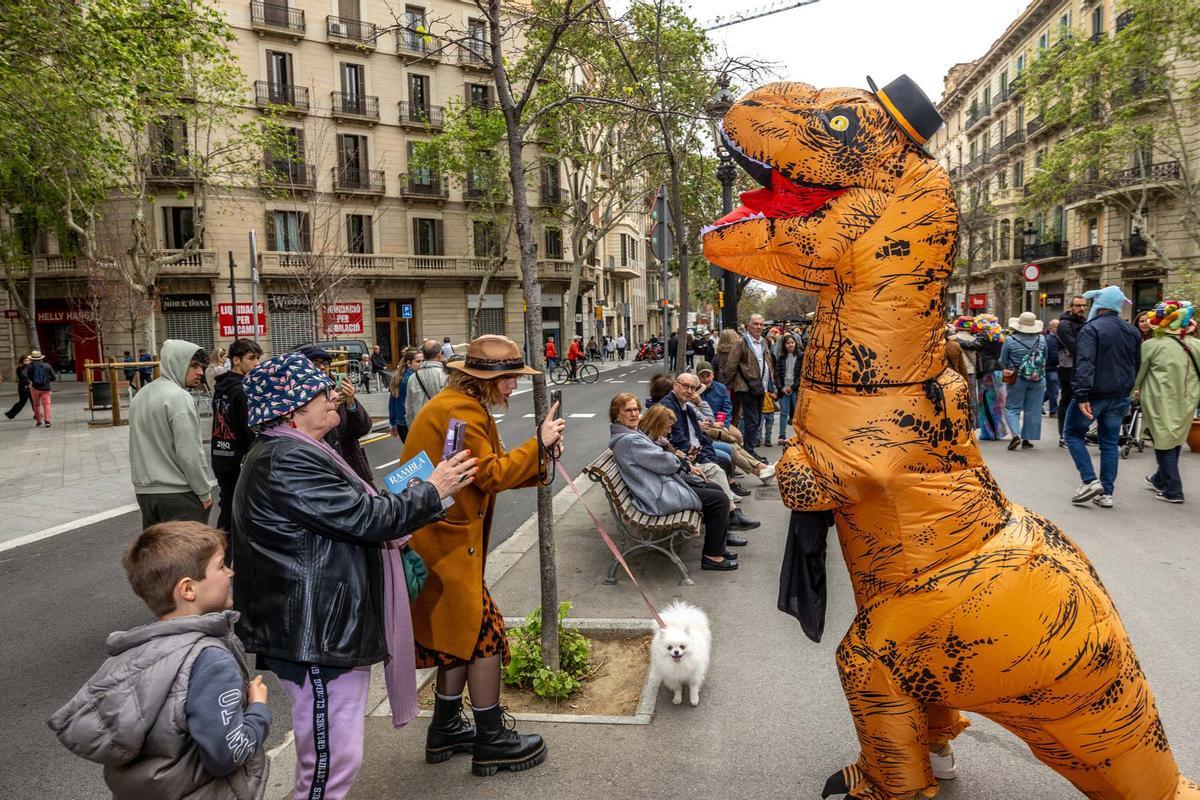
pixel 300 148
pixel 269 227
pixel 305 232
pixel 416 237
pixel 440 249
pixel 368 223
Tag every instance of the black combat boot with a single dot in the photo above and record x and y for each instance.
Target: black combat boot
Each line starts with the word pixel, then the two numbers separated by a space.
pixel 449 731
pixel 499 746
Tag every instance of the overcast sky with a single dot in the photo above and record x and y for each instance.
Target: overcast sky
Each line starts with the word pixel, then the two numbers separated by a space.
pixel 839 42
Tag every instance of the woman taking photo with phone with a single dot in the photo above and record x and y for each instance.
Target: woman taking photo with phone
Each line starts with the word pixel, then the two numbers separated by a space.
pixel 457 627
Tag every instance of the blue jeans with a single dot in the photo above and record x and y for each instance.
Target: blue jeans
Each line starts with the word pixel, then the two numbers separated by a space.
pixel 1052 390
pixel 724 451
pixel 1025 400
pixel 1108 412
pixel 787 409
pixel 1167 479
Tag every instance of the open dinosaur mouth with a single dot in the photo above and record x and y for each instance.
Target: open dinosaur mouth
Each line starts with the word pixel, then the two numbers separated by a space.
pixel 780 197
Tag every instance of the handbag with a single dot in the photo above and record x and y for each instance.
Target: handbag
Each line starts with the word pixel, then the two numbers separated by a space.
pixel 1009 376
pixel 415 571
pixel 769 406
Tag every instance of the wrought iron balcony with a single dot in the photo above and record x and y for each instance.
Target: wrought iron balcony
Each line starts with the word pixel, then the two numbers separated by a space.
pixel 1097 37
pixel 1013 139
pixel 357 179
pixel 1134 247
pixel 282 173
pixel 977 163
pixel 169 169
pixel 277 17
pixel 1087 255
pixel 1044 251
pixel 419 187
pixel 978 114
pixel 1035 124
pixel 475 193
pixel 411 44
pixel 1154 173
pixel 1123 19
pixel 1002 96
pixel 420 116
pixel 553 196
pixel 281 94
pixel 359 106
pixel 355 31
pixel 474 56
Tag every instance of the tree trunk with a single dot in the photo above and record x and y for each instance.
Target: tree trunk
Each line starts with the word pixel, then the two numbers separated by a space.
pixel 29 313
pixel 532 290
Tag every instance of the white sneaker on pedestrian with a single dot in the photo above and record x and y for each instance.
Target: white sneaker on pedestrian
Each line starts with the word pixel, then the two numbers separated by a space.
pixel 943 765
pixel 1087 490
pixel 1103 500
pixel 767 473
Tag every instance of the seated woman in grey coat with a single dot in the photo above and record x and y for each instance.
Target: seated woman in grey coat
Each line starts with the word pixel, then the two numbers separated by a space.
pixel 655 477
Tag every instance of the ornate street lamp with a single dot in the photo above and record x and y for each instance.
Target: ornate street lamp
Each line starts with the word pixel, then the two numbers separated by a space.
pixel 726 174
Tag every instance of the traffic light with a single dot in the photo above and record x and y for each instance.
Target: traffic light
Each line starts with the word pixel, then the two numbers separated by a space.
pixel 662 241
pixel 599 312
pixel 720 299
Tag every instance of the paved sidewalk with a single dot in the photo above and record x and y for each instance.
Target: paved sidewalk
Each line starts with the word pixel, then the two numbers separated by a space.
pixel 772 722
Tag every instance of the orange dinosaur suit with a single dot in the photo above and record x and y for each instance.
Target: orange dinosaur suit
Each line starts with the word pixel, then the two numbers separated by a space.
pixel 965 600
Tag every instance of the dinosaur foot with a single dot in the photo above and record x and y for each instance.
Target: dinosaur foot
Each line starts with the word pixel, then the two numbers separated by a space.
pixel 852 784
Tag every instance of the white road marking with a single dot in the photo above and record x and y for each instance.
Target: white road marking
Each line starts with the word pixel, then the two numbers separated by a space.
pixel 528 416
pixel 68 526
pixel 581 416
pixel 643 381
pixel 388 464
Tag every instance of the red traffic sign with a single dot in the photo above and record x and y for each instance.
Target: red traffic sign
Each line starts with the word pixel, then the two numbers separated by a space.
pixel 1032 272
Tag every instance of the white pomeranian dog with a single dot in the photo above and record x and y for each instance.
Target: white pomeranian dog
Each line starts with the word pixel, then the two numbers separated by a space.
pixel 679 652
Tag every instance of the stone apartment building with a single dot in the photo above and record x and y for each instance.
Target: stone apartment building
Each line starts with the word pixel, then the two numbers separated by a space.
pixel 994 140
pixel 409 249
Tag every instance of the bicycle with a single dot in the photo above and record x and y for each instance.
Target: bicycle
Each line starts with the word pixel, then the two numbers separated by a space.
pixel 586 373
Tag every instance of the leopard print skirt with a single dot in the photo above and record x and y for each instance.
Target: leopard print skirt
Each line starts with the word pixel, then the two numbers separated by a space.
pixel 492 641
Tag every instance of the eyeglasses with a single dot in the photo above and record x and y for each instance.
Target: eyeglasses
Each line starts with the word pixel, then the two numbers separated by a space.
pixel 631 410
pixel 691 386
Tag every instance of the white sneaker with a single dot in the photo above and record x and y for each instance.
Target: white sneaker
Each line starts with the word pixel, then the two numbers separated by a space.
pixel 1103 500
pixel 943 765
pixel 1087 491
pixel 767 473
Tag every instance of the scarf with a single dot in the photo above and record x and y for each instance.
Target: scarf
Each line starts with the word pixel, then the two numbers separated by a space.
pixel 399 670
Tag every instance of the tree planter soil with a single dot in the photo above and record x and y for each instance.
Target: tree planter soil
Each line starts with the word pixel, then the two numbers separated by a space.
pixel 614 687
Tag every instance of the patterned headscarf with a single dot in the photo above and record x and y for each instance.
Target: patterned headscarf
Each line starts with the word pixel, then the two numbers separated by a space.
pixel 1171 316
pixel 281 385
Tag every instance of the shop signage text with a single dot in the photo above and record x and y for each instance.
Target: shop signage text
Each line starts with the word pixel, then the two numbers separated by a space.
pixel 245 317
pixel 343 318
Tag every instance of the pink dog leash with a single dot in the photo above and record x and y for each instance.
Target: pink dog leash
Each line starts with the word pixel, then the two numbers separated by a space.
pixel 611 546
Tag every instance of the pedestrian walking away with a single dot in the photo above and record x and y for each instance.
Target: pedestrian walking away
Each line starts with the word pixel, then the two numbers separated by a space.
pixel 1106 361
pixel 1068 329
pixel 1023 360
pixel 457 626
pixel 622 344
pixel 23 392
pixel 231 433
pixel 320 581
pixel 1168 387
pixel 41 385
pixel 172 476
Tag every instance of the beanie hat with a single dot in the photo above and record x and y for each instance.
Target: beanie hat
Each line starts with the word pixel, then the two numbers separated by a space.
pixel 281 385
pixel 1110 298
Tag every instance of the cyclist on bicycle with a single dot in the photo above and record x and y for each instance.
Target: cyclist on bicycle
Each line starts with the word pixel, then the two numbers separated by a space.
pixel 575 355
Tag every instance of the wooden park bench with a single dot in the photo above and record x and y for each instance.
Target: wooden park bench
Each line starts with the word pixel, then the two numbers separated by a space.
pixel 641 531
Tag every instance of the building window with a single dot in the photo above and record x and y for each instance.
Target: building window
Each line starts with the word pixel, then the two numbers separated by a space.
pixel 477 41
pixel 487 243
pixel 358 234
pixel 420 176
pixel 1064 23
pixel 414 29
pixel 1044 40
pixel 177 227
pixel 554 243
pixel 418 92
pixel 1038 158
pixel 1005 239
pixel 479 95
pixel 1020 69
pixel 352 160
pixel 428 239
pixel 354 89
pixel 1002 180
pixel 289 231
pixel 1098 20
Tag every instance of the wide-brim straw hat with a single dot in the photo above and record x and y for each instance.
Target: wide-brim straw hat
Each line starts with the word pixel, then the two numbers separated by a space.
pixel 1026 323
pixel 36 355
pixel 490 357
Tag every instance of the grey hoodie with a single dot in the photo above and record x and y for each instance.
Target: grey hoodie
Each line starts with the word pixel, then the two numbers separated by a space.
pixel 651 473
pixel 166 454
pixel 133 715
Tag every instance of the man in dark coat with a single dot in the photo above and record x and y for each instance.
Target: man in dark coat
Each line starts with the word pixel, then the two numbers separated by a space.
pixel 231 432
pixel 748 371
pixel 1068 328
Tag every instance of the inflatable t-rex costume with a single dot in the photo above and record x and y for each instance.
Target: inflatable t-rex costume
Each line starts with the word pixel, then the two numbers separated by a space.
pixel 965 600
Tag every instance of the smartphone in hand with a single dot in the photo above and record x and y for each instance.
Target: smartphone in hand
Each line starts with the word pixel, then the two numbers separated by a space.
pixel 456 435
pixel 556 397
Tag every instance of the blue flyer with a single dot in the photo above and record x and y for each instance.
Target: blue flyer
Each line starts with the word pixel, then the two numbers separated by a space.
pixel 418 468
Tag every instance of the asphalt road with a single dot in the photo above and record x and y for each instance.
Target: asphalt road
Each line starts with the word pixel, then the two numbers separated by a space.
pixel 62 596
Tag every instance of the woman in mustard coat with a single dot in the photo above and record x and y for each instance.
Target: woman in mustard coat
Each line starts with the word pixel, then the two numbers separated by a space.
pixel 457 627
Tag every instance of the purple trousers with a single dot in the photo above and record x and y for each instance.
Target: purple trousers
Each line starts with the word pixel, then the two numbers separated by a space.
pixel 328 717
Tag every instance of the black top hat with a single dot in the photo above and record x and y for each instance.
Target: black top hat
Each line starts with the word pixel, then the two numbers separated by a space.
pixel 910 108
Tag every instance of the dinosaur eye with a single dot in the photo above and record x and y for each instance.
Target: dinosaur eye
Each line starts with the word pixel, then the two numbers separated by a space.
pixel 839 123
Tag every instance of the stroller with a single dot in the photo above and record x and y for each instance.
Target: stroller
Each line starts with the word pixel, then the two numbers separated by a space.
pixel 1131 432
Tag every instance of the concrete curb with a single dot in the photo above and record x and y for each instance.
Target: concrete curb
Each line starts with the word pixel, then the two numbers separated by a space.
pixel 282 757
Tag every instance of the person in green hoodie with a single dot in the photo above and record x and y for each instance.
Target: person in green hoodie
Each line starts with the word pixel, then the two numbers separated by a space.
pixel 171 475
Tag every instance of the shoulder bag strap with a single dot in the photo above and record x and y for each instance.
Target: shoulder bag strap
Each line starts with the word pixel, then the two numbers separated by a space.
pixel 1191 355
pixel 421 383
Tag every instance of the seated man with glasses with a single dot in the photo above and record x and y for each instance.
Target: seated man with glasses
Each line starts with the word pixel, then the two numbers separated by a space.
pixel 688 437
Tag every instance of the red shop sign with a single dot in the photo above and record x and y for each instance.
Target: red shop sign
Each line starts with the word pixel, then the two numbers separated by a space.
pixel 11 313
pixel 343 318
pixel 245 320
pixel 977 302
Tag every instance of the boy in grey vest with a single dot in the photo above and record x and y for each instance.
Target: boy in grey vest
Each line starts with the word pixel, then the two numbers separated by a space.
pixel 173 713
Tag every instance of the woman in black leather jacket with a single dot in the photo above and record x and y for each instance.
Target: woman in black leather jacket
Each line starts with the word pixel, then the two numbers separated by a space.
pixel 318 584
